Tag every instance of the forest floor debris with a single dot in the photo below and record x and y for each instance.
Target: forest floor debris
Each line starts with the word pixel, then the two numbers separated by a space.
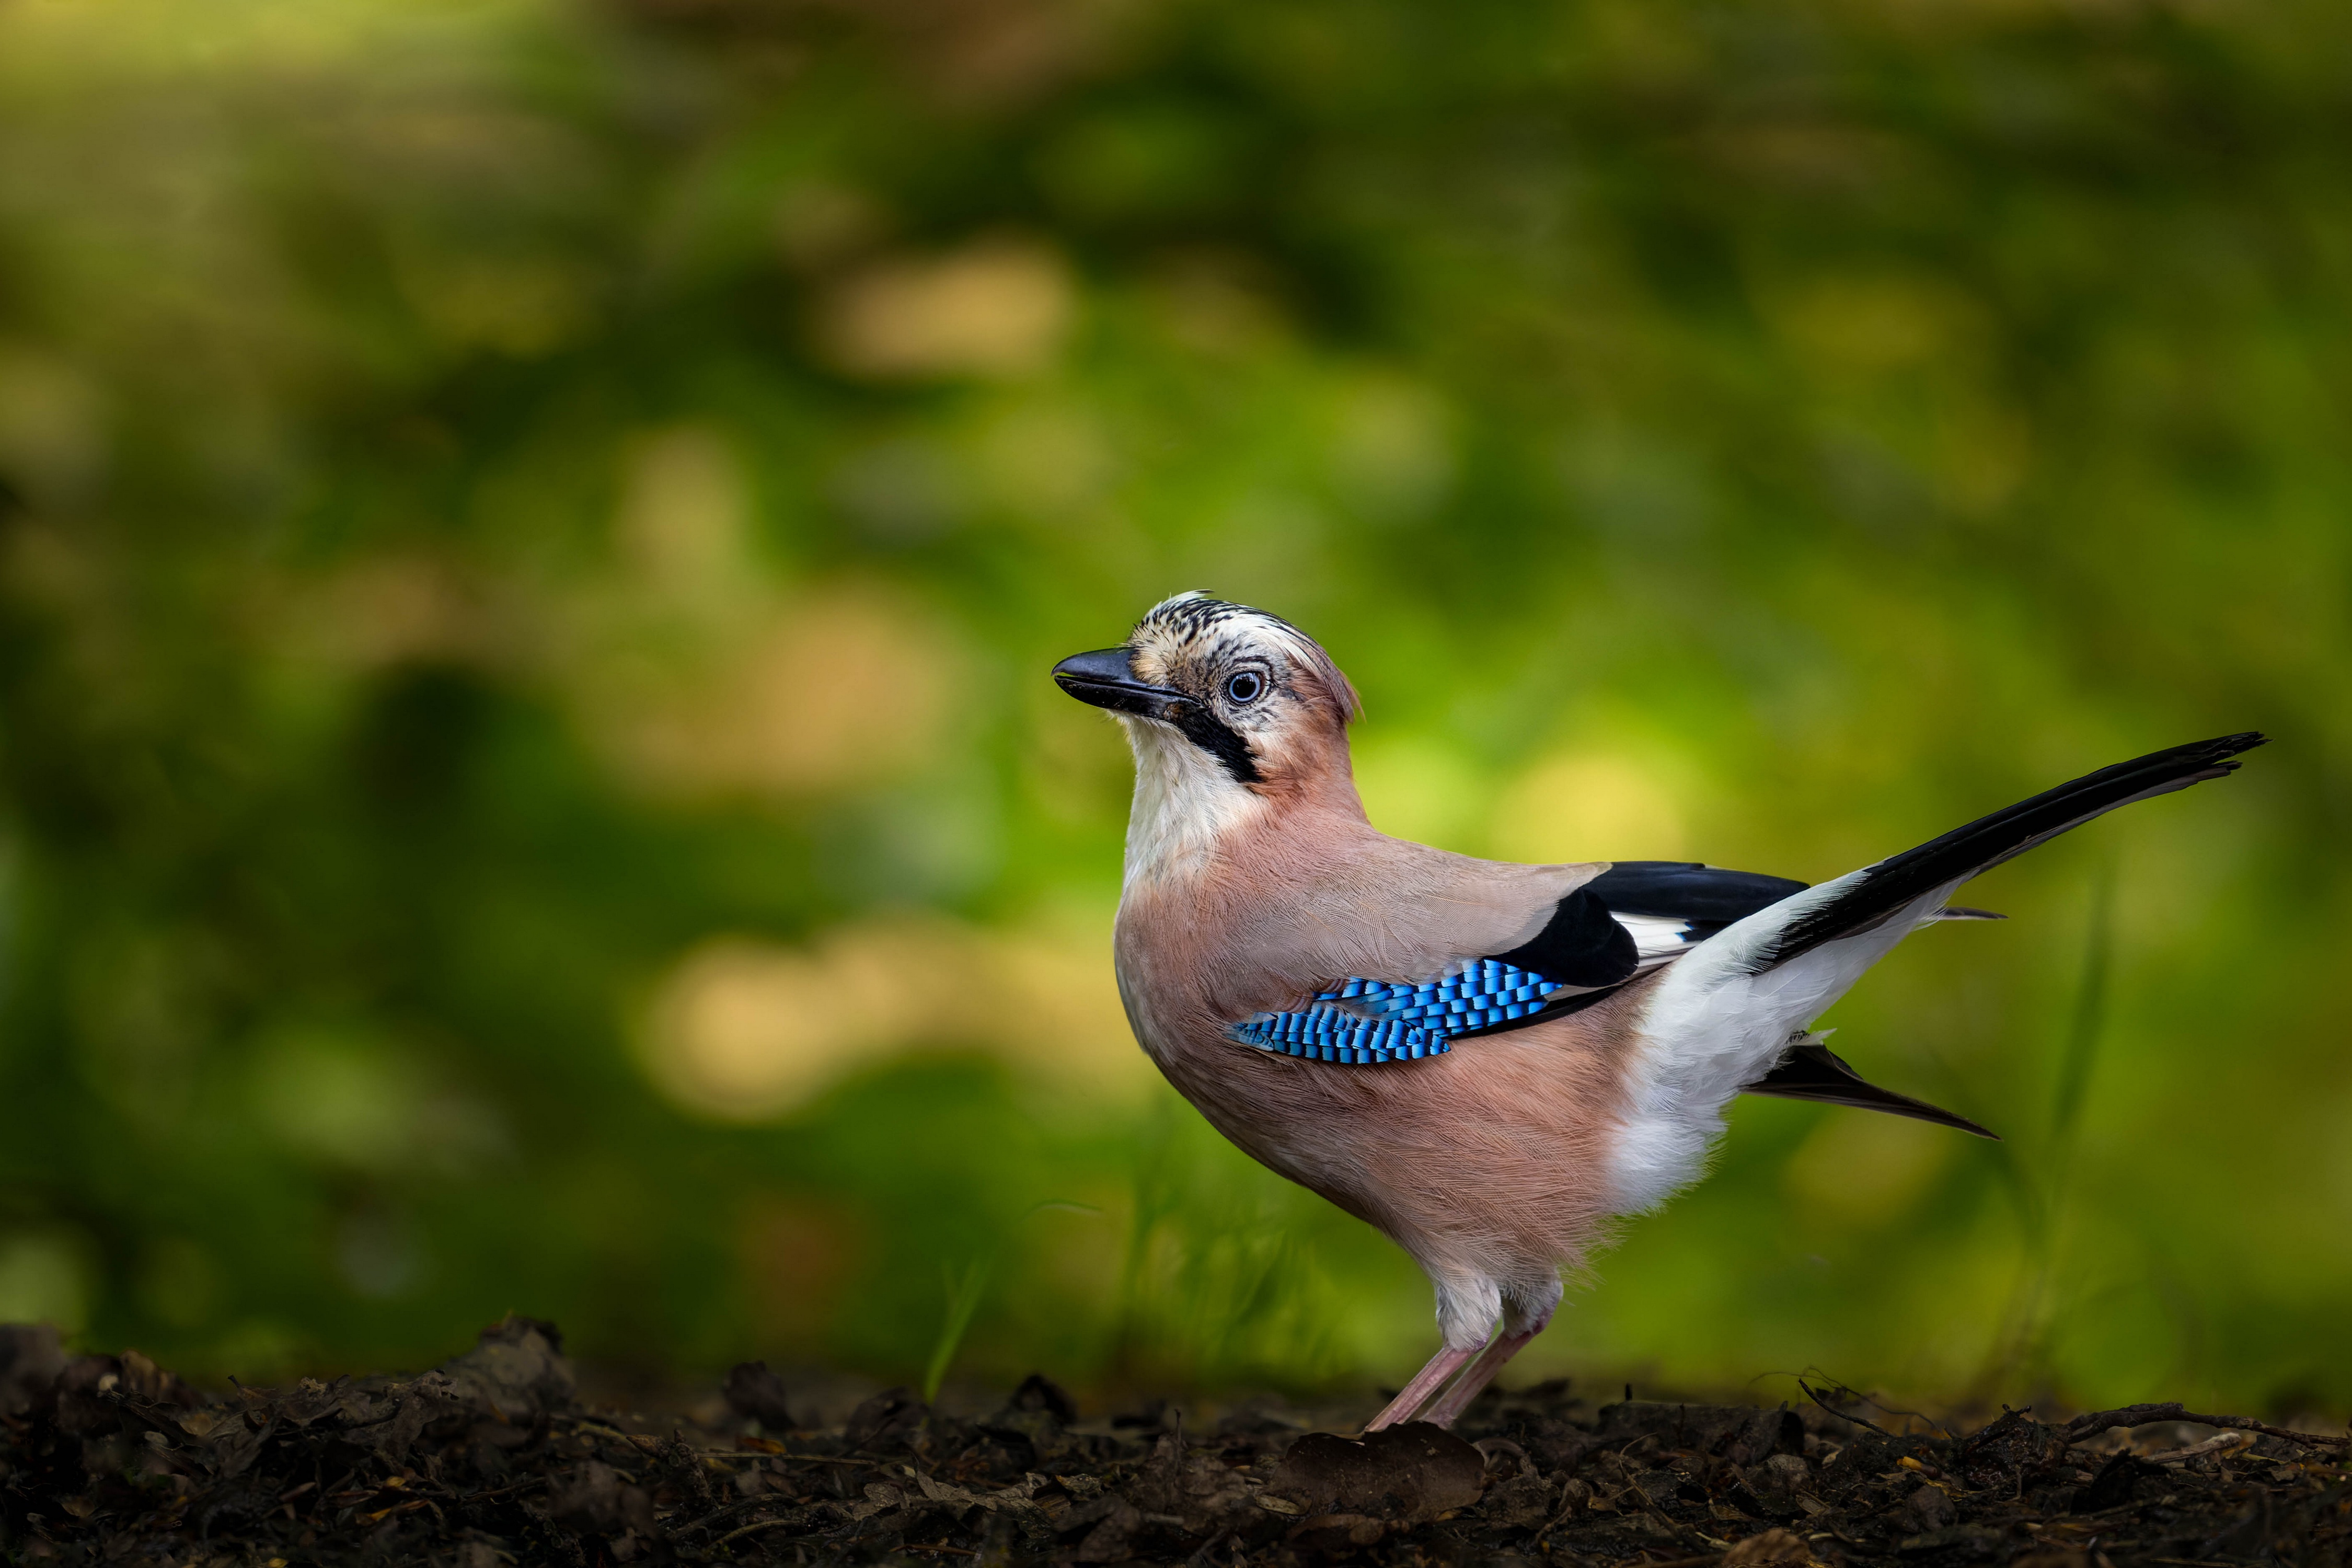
pixel 491 1460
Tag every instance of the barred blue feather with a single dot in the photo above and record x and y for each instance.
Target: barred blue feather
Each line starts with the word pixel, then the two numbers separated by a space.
pixel 1380 1021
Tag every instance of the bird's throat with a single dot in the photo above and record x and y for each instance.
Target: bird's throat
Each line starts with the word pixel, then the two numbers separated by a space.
pixel 1187 804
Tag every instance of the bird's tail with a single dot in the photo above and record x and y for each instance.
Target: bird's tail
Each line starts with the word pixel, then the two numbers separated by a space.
pixel 1875 893
pixel 1726 1014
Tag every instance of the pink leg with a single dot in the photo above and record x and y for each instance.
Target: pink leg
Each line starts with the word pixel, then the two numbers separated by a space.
pixel 1448 1410
pixel 1423 1387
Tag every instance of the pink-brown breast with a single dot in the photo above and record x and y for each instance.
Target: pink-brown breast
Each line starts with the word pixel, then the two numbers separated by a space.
pixel 1490 1159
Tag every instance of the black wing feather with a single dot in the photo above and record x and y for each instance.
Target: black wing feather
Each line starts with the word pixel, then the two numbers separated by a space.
pixel 1582 945
pixel 1707 897
pixel 1812 1071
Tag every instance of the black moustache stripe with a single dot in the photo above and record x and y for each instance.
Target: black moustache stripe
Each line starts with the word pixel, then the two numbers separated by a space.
pixel 1217 738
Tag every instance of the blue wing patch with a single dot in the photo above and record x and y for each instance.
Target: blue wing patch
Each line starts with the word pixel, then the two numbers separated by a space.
pixel 1378 1021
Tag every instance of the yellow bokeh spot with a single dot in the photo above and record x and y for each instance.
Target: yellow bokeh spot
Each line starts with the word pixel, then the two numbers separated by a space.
pixel 834 692
pixel 684 511
pixel 1418 789
pixel 1863 326
pixel 997 308
pixel 1591 805
pixel 741 1029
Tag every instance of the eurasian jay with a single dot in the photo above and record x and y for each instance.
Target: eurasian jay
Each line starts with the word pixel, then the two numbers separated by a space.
pixel 1486 1061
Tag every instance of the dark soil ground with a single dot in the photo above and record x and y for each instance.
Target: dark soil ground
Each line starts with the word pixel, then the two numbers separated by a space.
pixel 492 1460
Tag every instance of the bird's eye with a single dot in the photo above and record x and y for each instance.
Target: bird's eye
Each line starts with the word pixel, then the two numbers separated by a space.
pixel 1244 688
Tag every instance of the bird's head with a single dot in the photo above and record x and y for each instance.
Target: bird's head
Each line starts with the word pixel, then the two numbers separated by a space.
pixel 1222 703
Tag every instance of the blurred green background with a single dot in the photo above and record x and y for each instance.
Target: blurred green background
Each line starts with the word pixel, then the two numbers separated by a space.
pixel 531 534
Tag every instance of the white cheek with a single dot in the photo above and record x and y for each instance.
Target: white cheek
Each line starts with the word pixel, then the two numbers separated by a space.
pixel 1185 803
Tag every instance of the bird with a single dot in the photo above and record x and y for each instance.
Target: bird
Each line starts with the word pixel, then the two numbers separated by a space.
pixel 1489 1062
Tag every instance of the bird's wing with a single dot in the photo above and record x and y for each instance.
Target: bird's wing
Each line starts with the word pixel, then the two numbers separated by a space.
pixel 1670 904
pixel 1667 905
pixel 1631 917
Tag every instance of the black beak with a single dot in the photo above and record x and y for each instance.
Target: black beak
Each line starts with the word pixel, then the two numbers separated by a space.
pixel 1107 679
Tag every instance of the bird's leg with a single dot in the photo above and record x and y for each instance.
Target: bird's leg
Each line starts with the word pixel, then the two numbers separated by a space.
pixel 1424 1388
pixel 1505 1345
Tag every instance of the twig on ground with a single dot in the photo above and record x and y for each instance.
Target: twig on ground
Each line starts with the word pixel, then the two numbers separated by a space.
pixel 751 1529
pixel 2084 1427
pixel 1857 1420
pixel 718 1515
pixel 531 1485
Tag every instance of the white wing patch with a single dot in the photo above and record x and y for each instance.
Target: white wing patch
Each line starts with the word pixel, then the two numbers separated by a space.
pixel 1656 938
